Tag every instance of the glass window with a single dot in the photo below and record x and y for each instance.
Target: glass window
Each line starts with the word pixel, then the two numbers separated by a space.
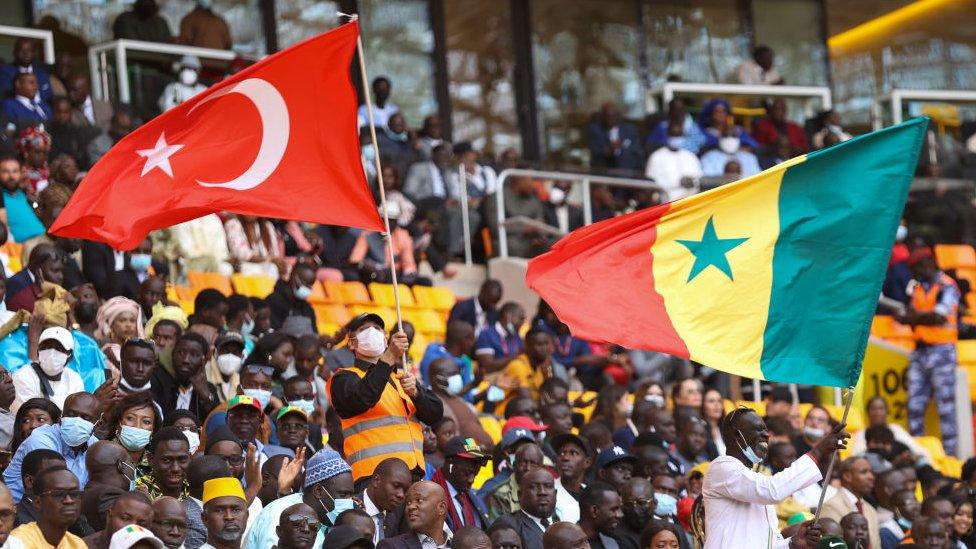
pixel 584 55
pixel 399 45
pixel 297 20
pixel 793 28
pixel 480 64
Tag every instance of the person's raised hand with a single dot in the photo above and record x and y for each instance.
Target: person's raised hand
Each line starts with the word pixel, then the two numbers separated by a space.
pixel 290 469
pixel 252 473
pixel 107 394
pixel 409 383
pixel 835 439
pixel 200 387
pixel 807 536
pixel 397 347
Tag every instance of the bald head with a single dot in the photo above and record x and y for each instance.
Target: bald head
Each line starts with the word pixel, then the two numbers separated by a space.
pixel 563 535
pixel 169 522
pixel 429 490
pixel 470 537
pixel 426 508
pixel 102 461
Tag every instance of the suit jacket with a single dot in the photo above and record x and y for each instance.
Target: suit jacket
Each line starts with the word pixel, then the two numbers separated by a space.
pixel 22 116
pixel 103 115
pixel 629 157
pixel 575 216
pixel 419 182
pixel 403 541
pixel 464 310
pixel 98 264
pixel 395 522
pixel 527 529
pixel 165 389
pixel 10 70
pixel 839 506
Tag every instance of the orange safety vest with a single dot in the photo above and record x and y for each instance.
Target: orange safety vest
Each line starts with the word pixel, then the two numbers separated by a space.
pixel 386 430
pixel 924 302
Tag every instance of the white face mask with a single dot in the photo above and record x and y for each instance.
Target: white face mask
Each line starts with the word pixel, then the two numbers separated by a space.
pixel 370 342
pixel 52 361
pixel 229 363
pixel 193 438
pixel 901 234
pixel 188 77
pixel 729 145
pixel 557 196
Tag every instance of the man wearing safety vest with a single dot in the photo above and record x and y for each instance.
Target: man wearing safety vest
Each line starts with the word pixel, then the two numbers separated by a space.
pixel 933 313
pixel 380 406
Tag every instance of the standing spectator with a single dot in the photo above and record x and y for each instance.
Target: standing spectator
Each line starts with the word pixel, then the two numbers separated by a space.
pixel 572 461
pixel 204 28
pixel 143 22
pixel 893 530
pixel 18 214
pixel 481 178
pixel 431 179
pixel 24 54
pixel 715 121
pixel 224 513
pixel 426 509
pixel 186 86
pixel 759 69
pixel 775 124
pixel 537 501
pixel 398 144
pixel 25 108
pixel 613 144
pixel 110 472
pixel 59 498
pixel 857 483
pixel 479 311
pixel 933 314
pixel 47 376
pixel 673 167
pixel 290 298
pixel 88 111
pixel 877 416
pixel 372 256
pixel 255 245
pixel 498 345
pixel 830 130
pixel 677 116
pixel 457 346
pixel 383 109
pixel 431 135
pixel 121 124
pixel 68 138
pixel 521 200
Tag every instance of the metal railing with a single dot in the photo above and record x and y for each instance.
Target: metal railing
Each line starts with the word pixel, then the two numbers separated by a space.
pixel 37 34
pixel 897 98
pixel 668 90
pixel 585 179
pixel 98 61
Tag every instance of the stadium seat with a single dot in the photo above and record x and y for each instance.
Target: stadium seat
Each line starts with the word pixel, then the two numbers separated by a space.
pixel 968 274
pixel 387 314
pixel 348 293
pixel 319 294
pixel 933 445
pixel 201 280
pixel 492 425
pixel 439 299
pixel 758 407
pixel 252 285
pixel 971 374
pixel 966 352
pixel 954 256
pixel 326 313
pixel 383 295
pixel 425 321
pixel 418 347
pixel 892 332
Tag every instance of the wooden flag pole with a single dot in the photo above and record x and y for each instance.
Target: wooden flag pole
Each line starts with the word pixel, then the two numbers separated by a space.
pixel 379 172
pixel 849 397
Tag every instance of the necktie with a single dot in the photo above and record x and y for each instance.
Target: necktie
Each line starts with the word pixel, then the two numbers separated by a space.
pixel 467 510
pixel 545 523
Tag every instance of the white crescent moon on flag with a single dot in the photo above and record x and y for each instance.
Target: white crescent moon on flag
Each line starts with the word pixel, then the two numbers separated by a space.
pixel 274 137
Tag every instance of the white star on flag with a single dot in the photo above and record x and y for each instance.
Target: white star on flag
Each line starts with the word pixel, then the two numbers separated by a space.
pixel 158 156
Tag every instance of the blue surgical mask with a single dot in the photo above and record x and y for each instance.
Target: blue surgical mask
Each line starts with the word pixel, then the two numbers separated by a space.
pixel 667 505
pixel 369 153
pixel 338 507
pixel 676 142
pixel 307 405
pixel 495 394
pixel 140 262
pixel 748 451
pixel 455 384
pixel 302 292
pixel 134 439
pixel 76 431
pixel 905 524
pixel 247 327
pixel 261 395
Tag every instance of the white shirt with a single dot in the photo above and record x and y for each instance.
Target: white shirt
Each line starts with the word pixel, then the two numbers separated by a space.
pixel 667 167
pixel 381 115
pixel 751 73
pixel 28 385
pixel 32 105
pixel 481 317
pixel 739 503
pixel 427 542
pixel 183 397
pixel 88 109
pixel 567 508
pixel 376 514
pixel 562 218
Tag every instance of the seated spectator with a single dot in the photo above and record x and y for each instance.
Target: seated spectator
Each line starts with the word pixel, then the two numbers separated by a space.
pixel 431 135
pixel 121 124
pixel 430 179
pixel 134 420
pixel 391 186
pixel 857 482
pixel 18 213
pixel 481 178
pixel 877 414
pixel 290 298
pixel 169 522
pixel 427 506
pixel 48 377
pixel 479 311
pixel 458 342
pixel 448 385
pixel 715 121
pixel 614 144
pixel 255 245
pixel 118 319
pixel 24 108
pixel 815 425
pixel 201 469
pixel 674 168
pixel 88 111
pixel 225 512
pixel 527 371
pixel 187 388
pixel 24 63
pixel 34 145
pixel 600 514
pixel 31 414
pixel 536 512
pixel 906 510
pixel 45 264
pixel 204 28
pixel 775 124
pixel 128 508
pixel 521 200
pixel 166 325
pixel 68 138
pixel 499 344
pixel 928 533
pixel 186 86
pixel 678 115
pixel 504 498
pixel 64 170
pixel 142 22
pixel 169 455
pixel 828 130
pixel 561 214
pixel 59 492
pixel 759 69
pixel 716 161
pixel 372 256
pixel 692 447
pixel 637 498
pixel 398 144
pixel 383 109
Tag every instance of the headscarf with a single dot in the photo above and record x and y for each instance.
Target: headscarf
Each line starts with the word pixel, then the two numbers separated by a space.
pixel 110 310
pixel 32 138
pixel 51 303
pixel 166 312
pixel 705 116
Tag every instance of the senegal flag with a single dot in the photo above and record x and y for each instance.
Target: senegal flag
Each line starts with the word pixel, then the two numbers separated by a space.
pixel 775 276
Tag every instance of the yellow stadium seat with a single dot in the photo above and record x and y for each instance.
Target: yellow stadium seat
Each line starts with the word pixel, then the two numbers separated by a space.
pixel 201 280
pixel 439 299
pixel 586 396
pixel 348 293
pixel 967 273
pixel 14 252
pixel 492 425
pixel 759 407
pixel 253 285
pixel 418 347
pixel 183 293
pixel 327 328
pixel 971 374
pixel 933 445
pixel 425 321
pixel 886 327
pixel 966 351
pixel 383 295
pixel 388 315
pixel 171 293
pixel 331 314
pixel 483 475
pixel 319 294
pixel 953 256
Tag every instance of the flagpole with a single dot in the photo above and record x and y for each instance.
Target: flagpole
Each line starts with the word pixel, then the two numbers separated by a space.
pixel 849 397
pixel 379 171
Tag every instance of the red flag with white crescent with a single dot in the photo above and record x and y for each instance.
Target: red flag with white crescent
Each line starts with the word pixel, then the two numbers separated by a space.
pixel 278 139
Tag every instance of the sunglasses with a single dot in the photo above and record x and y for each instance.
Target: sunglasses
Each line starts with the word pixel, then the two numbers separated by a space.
pixel 303 520
pixel 258 369
pixel 62 494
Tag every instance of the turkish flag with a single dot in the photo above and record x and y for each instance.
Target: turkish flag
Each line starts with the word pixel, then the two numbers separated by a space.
pixel 278 139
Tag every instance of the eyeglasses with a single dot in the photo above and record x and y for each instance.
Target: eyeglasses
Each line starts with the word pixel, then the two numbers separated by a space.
pixel 233 460
pixel 259 369
pixel 62 494
pixel 302 520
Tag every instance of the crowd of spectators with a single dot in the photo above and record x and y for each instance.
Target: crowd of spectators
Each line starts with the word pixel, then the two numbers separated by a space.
pixel 127 423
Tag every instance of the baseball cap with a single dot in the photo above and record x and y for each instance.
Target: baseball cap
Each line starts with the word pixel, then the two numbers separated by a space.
pixel 832 542
pixel 290 410
pixel 345 536
pixel 516 435
pixel 60 335
pixel 523 422
pixel 244 400
pixel 465 448
pixel 612 455
pixel 559 441
pixel 229 337
pixel 130 535
pixel 358 321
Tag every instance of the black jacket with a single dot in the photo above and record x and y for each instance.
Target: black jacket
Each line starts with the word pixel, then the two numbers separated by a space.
pixel 528 530
pixel 404 541
pixel 283 304
pixel 395 522
pixel 464 310
pixel 165 390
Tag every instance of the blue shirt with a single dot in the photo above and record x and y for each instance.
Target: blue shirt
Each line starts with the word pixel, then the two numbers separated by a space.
pixel 497 342
pixel 713 163
pixel 21 219
pixel 48 437
pixel 435 351
pixel 264 531
pixel 87 360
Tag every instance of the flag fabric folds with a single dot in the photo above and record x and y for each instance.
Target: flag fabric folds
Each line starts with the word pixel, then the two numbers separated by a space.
pixel 771 277
pixel 278 139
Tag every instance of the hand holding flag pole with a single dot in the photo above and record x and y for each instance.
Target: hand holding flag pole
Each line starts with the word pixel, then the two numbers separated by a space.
pixel 849 398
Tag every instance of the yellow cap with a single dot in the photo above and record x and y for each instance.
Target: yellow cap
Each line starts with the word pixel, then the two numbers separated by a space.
pixel 220 487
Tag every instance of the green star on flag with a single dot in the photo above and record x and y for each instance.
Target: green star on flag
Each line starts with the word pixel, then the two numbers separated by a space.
pixel 711 251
